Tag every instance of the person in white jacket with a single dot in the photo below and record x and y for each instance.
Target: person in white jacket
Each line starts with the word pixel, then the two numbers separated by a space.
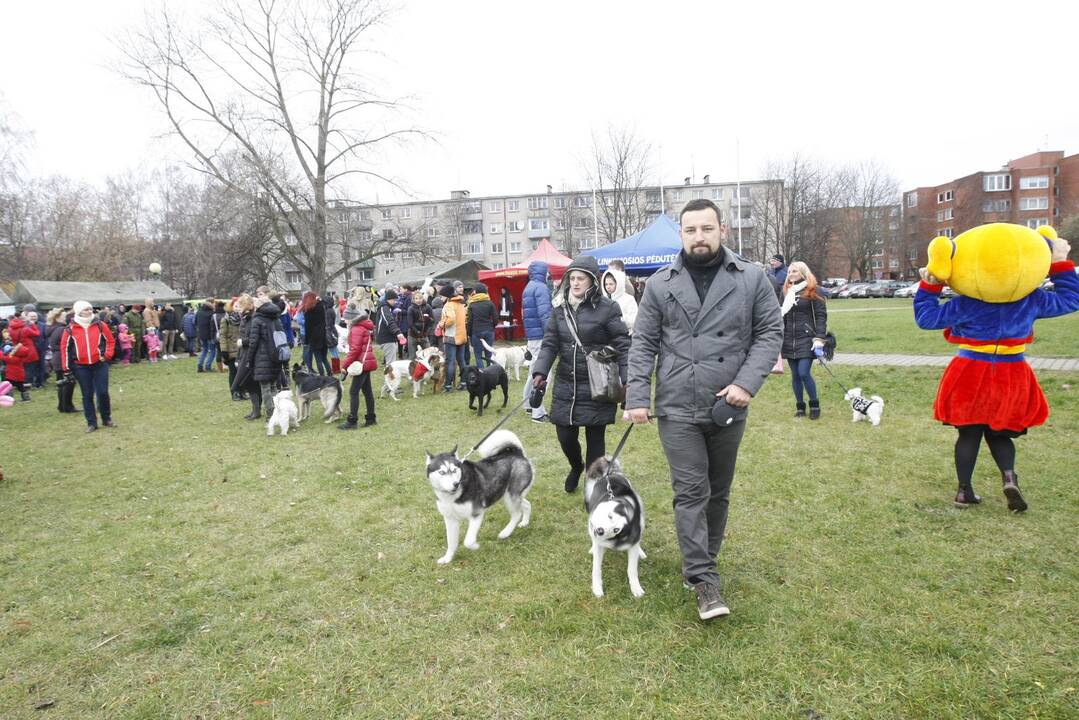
pixel 614 287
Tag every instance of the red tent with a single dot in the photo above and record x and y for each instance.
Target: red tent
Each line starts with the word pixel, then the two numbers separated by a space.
pixel 513 279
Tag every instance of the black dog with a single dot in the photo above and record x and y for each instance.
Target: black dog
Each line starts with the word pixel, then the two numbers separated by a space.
pixel 327 388
pixel 481 383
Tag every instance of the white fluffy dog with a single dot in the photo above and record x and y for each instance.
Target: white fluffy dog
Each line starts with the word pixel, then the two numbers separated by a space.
pixel 284 415
pixel 510 357
pixel 863 408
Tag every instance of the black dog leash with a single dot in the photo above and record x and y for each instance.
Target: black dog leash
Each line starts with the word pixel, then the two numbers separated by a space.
pixel 610 464
pixel 496 427
pixel 834 378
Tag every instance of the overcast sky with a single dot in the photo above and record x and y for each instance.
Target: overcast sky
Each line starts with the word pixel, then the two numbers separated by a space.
pixel 513 90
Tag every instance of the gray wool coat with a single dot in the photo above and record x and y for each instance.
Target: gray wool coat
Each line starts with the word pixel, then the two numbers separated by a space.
pixel 698 349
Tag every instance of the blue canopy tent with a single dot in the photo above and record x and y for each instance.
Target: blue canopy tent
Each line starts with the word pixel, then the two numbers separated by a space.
pixel 647 251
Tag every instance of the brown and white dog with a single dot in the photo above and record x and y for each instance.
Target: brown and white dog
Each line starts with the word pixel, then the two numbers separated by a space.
pixel 425 367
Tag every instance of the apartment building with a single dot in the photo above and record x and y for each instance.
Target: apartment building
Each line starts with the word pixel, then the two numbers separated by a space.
pixel 502 230
pixel 1037 189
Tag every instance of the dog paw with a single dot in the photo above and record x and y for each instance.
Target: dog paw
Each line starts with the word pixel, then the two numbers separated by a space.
pixel 637 591
pixel 472 546
pixel 597 591
pixel 444 560
pixel 505 533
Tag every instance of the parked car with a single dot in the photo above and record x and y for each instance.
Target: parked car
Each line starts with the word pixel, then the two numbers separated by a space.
pixel 875 290
pixel 907 291
pixel 892 286
pixel 853 290
pixel 833 282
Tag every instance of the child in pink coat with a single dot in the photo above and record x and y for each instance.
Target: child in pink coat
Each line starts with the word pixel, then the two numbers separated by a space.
pixel 153 343
pixel 127 341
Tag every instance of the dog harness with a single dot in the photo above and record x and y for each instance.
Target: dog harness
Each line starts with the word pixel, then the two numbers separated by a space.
pixel 861 404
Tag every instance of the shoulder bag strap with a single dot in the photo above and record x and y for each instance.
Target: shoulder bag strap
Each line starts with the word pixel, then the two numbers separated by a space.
pixel 572 327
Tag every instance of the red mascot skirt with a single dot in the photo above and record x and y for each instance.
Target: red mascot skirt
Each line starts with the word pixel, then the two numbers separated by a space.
pixel 1003 394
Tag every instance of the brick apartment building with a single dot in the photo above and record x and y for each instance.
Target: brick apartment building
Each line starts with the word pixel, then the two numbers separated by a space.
pixel 1037 189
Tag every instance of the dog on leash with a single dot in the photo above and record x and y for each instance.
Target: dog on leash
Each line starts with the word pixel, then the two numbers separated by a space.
pixel 615 521
pixel 864 408
pixel 465 489
pixel 284 415
pixel 510 357
pixel 481 383
pixel 309 385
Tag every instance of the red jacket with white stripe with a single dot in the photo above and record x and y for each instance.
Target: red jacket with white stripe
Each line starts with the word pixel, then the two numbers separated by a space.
pixel 86 346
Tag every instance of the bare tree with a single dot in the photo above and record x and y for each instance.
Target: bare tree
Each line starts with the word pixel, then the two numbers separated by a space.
pixel 568 217
pixel 865 220
pixel 276 83
pixel 617 169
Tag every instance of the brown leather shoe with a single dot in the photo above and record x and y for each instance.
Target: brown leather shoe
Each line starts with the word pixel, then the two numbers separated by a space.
pixel 1016 503
pixel 964 499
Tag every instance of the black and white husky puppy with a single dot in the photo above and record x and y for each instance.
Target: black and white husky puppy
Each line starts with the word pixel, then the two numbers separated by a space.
pixel 615 521
pixel 465 489
pixel 309 385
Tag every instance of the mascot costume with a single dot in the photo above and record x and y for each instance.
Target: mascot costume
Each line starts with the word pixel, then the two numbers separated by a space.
pixel 988 389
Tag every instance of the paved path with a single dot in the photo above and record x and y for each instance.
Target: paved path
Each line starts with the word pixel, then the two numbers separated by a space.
pixel 942 360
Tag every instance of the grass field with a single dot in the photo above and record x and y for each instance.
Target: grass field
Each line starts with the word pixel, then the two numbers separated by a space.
pixel 184 565
pixel 887 326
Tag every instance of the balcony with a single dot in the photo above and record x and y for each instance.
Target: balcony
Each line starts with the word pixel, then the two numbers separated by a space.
pixel 536 234
pixel 742 223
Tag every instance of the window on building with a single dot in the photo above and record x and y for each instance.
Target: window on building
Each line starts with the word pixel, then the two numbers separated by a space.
pixel 581 223
pixel 582 201
pixel 878 249
pixel 494 206
pixel 471 227
pixel 945 196
pixel 406 213
pixel 946 214
pixel 293 276
pixel 677 195
pixel 997 183
pixel 515 246
pixel 387 213
pixel 946 232
pixel 912 199
pixel 996 205
pixel 652 196
pixel 912 254
pixel 387 234
pixel 560 224
pixel 717 193
pixel 698 194
pixel 746 193
pixel 587 243
pixel 406 256
pixel 539 224
pixel 495 229
pixel 514 226
pixel 1040 202
pixel 496 247
pixel 1034 182
pixel 537 203
pixel 877 265
pixel 364 236
pixel 893 263
pixel 473 248
pixel 746 212
pixel 560 203
pixel 513 205
pixel 430 211
pixel 470 209
pixel 432 232
pixel 1037 223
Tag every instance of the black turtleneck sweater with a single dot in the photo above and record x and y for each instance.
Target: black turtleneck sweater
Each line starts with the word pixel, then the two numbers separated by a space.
pixel 703 273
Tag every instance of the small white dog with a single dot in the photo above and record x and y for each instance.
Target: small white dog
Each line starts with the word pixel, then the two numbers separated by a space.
pixel 863 408
pixel 284 415
pixel 510 357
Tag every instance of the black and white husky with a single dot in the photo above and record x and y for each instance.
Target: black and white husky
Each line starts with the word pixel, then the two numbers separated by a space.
pixel 309 385
pixel 615 521
pixel 464 489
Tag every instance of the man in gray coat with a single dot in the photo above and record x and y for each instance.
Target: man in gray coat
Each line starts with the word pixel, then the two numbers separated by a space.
pixel 709 327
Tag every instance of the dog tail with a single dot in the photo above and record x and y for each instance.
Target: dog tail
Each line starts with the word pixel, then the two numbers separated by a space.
pixel 499 440
pixel 878 399
pixel 487 347
pixel 330 411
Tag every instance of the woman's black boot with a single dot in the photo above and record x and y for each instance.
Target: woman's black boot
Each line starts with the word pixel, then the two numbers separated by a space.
pixel 256 407
pixel 814 409
pixel 369 420
pixel 801 410
pixel 573 478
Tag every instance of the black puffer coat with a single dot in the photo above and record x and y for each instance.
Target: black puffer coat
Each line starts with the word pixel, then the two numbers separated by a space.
pixel 204 323
pixel 807 319
pixel 258 359
pixel 314 326
pixel 599 322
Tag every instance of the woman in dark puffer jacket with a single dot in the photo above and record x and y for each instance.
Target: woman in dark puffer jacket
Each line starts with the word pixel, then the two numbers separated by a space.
pixel 805 323
pixel 598 322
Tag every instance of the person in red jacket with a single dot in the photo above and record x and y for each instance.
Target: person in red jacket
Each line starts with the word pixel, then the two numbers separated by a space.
pixel 16 354
pixel 86 347
pixel 24 351
pixel 359 351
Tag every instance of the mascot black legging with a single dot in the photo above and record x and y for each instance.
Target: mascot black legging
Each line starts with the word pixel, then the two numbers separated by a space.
pixel 968 443
pixel 569 439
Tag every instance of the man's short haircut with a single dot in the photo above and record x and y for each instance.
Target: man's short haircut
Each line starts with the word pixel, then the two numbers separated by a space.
pixel 700 204
pixel 616 265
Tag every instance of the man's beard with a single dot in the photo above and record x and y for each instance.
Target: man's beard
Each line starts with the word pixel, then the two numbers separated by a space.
pixel 702 254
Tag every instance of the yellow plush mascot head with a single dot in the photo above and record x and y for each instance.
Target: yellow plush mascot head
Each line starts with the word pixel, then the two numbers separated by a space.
pixel 996 263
